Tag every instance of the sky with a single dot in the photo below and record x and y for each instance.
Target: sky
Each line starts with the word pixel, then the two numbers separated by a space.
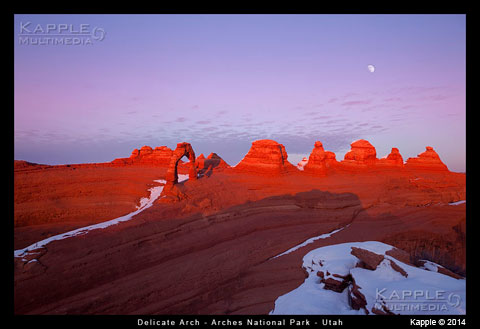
pixel 91 88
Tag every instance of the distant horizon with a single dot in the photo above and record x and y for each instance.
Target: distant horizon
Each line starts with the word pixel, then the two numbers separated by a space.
pixel 220 82
pixel 292 158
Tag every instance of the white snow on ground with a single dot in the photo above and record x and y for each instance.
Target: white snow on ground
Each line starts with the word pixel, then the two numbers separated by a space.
pixel 430 266
pixel 457 203
pixel 311 240
pixel 302 164
pixel 421 292
pixel 144 204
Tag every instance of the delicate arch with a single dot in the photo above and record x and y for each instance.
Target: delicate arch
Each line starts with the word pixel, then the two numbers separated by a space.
pixel 183 149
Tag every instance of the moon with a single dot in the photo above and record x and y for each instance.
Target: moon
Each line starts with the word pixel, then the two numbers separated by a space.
pixel 371 68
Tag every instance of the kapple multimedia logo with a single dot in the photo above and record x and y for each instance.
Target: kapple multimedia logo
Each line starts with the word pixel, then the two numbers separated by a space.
pixel 59 34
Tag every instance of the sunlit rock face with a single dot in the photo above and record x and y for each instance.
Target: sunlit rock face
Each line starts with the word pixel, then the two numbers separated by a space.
pixel 428 160
pixel 265 157
pixel 361 153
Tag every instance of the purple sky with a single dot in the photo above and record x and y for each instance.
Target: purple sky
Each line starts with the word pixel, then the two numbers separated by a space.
pixel 223 81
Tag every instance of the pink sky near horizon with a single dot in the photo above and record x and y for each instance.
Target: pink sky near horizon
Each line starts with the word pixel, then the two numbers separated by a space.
pixel 223 81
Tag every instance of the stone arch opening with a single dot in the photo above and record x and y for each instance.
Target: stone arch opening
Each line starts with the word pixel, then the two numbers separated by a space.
pixel 183 149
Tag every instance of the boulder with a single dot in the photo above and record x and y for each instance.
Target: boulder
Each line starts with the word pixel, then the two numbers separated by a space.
pixel 368 259
pixel 400 255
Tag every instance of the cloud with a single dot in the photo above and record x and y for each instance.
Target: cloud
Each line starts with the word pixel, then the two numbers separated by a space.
pixel 348 95
pixel 357 102
pixel 181 119
pixel 392 99
pixel 322 117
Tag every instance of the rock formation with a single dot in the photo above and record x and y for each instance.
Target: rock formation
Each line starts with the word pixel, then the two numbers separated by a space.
pixel 316 161
pixel 428 160
pixel 320 160
pixel 330 159
pixel 249 220
pixel 368 259
pixel 200 162
pixel 393 159
pixel 265 157
pixel 362 153
pixel 183 149
pixel 160 156
pixel 205 166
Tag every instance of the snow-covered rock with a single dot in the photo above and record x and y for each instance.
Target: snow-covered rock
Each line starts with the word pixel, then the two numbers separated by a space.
pixel 391 287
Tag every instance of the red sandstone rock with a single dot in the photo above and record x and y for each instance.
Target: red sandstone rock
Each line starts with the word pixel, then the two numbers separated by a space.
pixel 216 161
pixel 50 200
pixel 320 161
pixel 445 271
pixel 428 160
pixel 393 159
pixel 316 161
pixel 250 219
pixel 265 157
pixel 330 160
pixel 383 311
pixel 145 150
pixel 369 259
pixel 21 164
pixel 441 269
pixel 399 254
pixel 357 300
pixel 171 190
pixel 205 166
pixel 183 149
pixel 398 269
pixel 338 285
pixel 135 153
pixel 362 153
pixel 200 161
pixel 334 285
pixel 160 156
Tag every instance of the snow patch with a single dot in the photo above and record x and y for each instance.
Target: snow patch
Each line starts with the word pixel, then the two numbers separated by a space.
pixel 311 240
pixel 457 203
pixel 430 266
pixel 421 292
pixel 302 163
